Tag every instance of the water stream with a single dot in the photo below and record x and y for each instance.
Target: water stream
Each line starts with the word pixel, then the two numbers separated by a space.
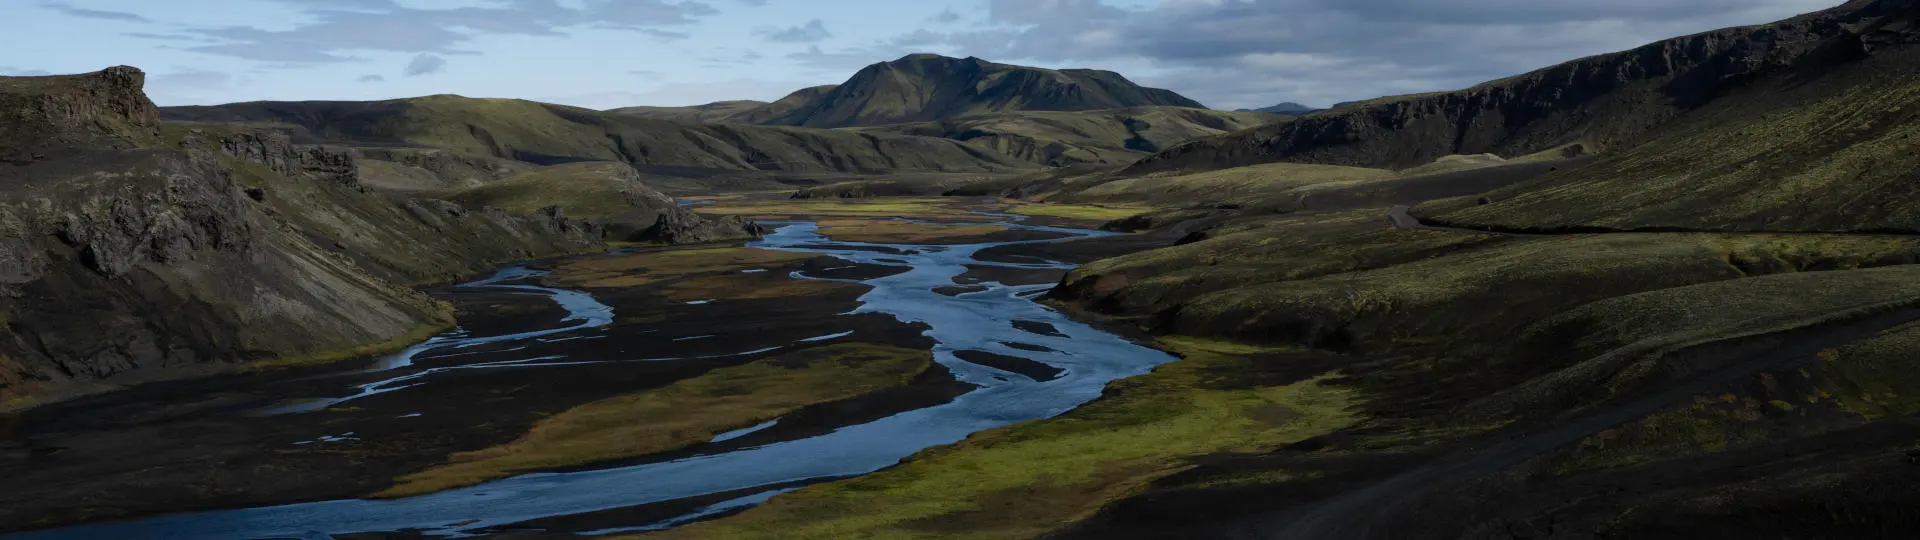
pixel 988 320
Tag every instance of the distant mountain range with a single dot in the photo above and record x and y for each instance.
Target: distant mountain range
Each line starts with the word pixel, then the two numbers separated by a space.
pixel 1289 108
pixel 927 87
pixel 1042 116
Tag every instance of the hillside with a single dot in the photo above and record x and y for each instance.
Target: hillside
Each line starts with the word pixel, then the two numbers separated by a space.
pixel 544 133
pixel 1703 331
pixel 1287 108
pixel 1058 138
pixel 718 112
pixel 137 251
pixel 1602 102
pixel 925 87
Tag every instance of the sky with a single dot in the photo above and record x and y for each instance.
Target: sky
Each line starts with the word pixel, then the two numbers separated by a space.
pixel 613 53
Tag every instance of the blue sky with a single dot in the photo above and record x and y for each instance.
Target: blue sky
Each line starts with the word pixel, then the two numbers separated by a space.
pixel 610 53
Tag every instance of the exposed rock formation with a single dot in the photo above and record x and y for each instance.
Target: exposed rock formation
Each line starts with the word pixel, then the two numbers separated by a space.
pixel 1602 101
pixel 42 115
pixel 124 258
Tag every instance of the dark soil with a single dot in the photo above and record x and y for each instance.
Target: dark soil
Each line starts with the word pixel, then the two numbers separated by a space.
pixel 1028 368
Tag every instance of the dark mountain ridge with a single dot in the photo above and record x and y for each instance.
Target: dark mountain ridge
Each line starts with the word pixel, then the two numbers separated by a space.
pixel 927 87
pixel 1599 102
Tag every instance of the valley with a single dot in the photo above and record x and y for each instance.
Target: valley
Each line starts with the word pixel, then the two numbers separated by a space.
pixel 1664 292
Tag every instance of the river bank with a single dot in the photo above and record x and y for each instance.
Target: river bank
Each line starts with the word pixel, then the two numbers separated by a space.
pixel 582 335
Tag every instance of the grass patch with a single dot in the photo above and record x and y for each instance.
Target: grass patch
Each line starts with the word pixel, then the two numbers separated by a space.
pixel 1029 479
pixel 597 191
pixel 621 271
pixel 687 412
pixel 1079 211
pixel 882 231
pixel 1230 184
pixel 924 207
pixel 751 286
pixel 442 322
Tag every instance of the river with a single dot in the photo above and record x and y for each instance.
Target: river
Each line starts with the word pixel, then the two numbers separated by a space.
pixel 985 320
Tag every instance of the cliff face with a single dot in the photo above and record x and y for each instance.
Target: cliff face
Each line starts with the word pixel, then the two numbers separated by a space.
pixel 40 116
pixel 1600 102
pixel 925 87
pixel 128 254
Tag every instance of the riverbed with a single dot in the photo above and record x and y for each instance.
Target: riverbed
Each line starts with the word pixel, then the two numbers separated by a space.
pixel 985 319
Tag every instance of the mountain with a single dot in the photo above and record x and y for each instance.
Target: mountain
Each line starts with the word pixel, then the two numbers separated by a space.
pixel 1288 108
pixel 1676 301
pixel 712 113
pixel 135 250
pixel 1060 138
pixel 926 87
pixel 1600 102
pixel 544 133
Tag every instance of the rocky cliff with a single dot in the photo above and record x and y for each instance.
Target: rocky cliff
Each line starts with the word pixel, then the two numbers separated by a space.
pixel 128 254
pixel 40 116
pixel 1600 102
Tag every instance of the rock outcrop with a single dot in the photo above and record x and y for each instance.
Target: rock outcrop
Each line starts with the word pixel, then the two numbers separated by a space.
pixel 1600 102
pixel 132 251
pixel 40 116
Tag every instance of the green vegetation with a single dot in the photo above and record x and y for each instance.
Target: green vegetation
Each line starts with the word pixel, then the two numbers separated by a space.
pixel 1455 163
pixel 1113 136
pixel 1830 154
pixel 1027 480
pixel 886 231
pixel 442 323
pixel 1091 212
pixel 598 191
pixel 545 133
pixel 635 269
pixel 686 412
pixel 1272 179
pixel 922 87
pixel 916 207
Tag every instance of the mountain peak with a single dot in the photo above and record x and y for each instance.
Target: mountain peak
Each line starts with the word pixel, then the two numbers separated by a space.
pixel 1288 107
pixel 923 86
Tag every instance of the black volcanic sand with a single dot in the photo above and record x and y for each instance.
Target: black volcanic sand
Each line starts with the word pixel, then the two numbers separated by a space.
pixel 196 444
pixel 1080 251
pixel 837 268
pixel 1031 369
pixel 1036 327
pixel 958 290
pixel 1009 276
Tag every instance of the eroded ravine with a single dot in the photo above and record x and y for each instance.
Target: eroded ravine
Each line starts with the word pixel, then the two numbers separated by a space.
pixel 998 319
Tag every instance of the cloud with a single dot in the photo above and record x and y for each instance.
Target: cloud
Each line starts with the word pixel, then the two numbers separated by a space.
pixel 190 79
pixel 812 32
pixel 683 93
pixel 665 35
pixel 425 64
pixel 163 37
pixel 369 78
pixel 71 11
pixel 189 86
pixel 948 16
pixel 331 29
pixel 1250 53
